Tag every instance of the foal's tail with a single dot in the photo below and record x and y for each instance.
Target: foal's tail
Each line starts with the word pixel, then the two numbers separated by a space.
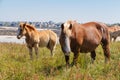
pixel 53 37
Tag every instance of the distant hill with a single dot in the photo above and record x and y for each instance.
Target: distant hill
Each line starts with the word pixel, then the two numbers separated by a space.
pixel 41 25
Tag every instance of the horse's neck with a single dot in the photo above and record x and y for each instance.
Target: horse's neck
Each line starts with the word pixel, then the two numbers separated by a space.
pixel 29 33
pixel 28 36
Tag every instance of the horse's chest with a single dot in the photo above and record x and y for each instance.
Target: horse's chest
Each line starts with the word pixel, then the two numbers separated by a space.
pixel 29 42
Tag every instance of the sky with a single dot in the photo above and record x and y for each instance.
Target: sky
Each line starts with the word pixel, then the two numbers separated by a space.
pixel 107 11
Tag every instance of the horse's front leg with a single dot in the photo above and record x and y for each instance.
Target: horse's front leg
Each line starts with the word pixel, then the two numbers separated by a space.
pixel 76 54
pixel 67 58
pixel 36 50
pixel 30 52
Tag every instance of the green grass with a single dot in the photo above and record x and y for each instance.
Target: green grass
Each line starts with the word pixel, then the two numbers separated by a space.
pixel 15 64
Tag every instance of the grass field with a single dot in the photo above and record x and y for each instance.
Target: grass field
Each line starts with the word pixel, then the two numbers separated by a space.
pixel 15 64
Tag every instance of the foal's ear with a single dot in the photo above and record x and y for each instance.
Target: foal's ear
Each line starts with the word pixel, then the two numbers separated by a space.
pixel 62 26
pixel 24 24
pixel 70 27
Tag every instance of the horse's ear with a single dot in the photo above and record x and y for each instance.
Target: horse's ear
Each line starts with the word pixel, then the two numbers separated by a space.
pixel 70 27
pixel 24 24
pixel 62 26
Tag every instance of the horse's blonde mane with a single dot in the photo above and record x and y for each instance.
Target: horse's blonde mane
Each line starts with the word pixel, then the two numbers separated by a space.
pixel 27 25
pixel 31 27
pixel 71 21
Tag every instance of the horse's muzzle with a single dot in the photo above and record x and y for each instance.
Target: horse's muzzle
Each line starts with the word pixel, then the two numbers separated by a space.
pixel 66 50
pixel 18 36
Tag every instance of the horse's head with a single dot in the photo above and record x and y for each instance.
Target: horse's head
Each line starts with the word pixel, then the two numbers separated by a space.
pixel 21 30
pixel 66 29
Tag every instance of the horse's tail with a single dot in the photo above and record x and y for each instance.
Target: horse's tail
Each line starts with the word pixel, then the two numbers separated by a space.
pixel 104 32
pixel 105 40
pixel 52 41
pixel 53 36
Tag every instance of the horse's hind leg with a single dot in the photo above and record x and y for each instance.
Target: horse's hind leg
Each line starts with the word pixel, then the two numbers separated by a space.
pixel 93 55
pixel 51 46
pixel 53 53
pixel 106 49
pixel 114 39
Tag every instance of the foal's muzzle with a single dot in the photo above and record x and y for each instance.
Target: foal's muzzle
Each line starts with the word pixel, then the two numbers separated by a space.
pixel 18 36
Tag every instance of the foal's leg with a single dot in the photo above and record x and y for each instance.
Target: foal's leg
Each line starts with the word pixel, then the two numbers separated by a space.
pixel 30 52
pixel 36 50
pixel 52 50
pixel 51 46
pixel 106 49
pixel 93 55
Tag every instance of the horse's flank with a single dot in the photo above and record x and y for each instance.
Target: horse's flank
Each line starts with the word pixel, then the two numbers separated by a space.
pixel 45 36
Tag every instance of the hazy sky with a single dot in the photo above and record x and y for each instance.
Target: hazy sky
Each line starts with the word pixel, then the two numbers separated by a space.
pixel 107 11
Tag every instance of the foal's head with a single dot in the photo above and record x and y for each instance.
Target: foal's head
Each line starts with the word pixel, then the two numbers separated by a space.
pixel 21 30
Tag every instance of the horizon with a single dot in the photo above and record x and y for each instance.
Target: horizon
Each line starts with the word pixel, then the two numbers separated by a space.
pixel 106 11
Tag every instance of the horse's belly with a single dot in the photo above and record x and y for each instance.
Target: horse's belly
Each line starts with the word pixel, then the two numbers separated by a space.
pixel 86 49
pixel 90 45
pixel 43 43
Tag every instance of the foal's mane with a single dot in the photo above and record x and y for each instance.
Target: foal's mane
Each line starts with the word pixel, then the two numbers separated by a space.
pixel 30 27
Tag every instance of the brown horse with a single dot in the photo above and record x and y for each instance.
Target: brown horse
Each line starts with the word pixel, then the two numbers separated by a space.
pixel 34 38
pixel 114 32
pixel 85 38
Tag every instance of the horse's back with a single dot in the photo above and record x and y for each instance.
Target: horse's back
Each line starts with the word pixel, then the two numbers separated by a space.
pixel 89 34
pixel 89 31
pixel 99 28
pixel 47 36
pixel 53 35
